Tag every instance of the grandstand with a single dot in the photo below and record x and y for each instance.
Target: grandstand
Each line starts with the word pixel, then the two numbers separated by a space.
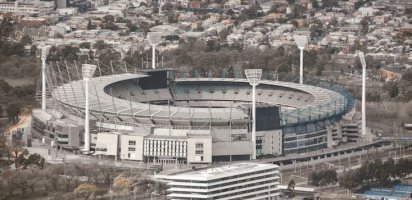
pixel 160 109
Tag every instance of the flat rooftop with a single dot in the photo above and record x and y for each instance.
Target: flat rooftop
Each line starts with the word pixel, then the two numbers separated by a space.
pixel 220 172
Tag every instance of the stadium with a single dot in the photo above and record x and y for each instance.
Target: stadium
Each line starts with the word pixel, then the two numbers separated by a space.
pixel 164 115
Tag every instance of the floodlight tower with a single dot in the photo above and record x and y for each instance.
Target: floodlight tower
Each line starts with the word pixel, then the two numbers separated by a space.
pixel 154 39
pixel 87 72
pixel 253 76
pixel 44 53
pixel 302 42
pixel 363 62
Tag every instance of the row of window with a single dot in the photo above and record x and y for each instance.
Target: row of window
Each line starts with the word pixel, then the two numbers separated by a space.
pixel 226 184
pixel 229 177
pixel 234 190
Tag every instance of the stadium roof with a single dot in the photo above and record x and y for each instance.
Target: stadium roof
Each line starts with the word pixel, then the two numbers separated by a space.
pixel 104 105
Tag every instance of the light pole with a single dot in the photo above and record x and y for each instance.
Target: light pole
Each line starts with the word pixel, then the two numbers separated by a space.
pixel 363 62
pixel 302 42
pixel 87 72
pixel 154 39
pixel 253 76
pixel 44 53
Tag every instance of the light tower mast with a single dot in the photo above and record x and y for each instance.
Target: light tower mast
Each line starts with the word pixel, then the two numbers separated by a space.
pixel 154 39
pixel 87 72
pixel 301 42
pixel 363 62
pixel 253 76
pixel 44 53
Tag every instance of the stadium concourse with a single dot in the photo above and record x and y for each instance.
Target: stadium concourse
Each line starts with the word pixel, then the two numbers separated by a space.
pixel 156 116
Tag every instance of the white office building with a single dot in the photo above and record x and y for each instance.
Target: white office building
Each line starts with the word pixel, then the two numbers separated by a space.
pixel 27 8
pixel 237 181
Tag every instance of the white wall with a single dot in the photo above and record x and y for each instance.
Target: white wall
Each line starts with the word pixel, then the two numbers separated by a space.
pixel 128 154
pixel 109 141
pixel 206 155
pixel 272 141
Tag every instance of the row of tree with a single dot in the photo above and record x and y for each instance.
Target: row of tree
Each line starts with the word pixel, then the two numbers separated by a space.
pixel 203 57
pixel 75 180
pixel 323 178
pixel 376 172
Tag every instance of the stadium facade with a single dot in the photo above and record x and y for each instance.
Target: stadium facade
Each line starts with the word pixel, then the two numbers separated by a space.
pixel 153 116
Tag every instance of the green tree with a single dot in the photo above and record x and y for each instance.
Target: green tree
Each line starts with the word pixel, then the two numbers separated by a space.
pixel 6 25
pixel 85 45
pixel 347 180
pixel 86 190
pixel 132 27
pixel 100 44
pixel 13 111
pixel 330 3
pixel 167 7
pixel 90 25
pixel 108 19
pixel 122 185
pixel 290 191
pixel 110 26
pixel 25 40
pixel 184 59
pixel 365 25
pixel 231 72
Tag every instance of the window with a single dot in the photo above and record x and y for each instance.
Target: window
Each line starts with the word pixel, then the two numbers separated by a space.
pixel 101 149
pixel 199 152
pixel 199 145
pixel 132 142
pixel 132 149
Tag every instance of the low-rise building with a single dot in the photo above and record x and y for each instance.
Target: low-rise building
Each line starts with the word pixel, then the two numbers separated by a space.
pixel 27 8
pixel 235 181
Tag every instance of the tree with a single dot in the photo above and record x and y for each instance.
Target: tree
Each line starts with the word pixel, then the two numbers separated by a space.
pixel 322 178
pixel 121 185
pixel 184 59
pixel 8 178
pixel 86 190
pixel 108 172
pixel 290 2
pixel 110 54
pixel 132 27
pixel 85 45
pixel 347 180
pixel 13 111
pixel 108 19
pixel 100 44
pixel 330 3
pixel 365 25
pixel 90 25
pixel 25 40
pixel 20 181
pixel 315 4
pixel 33 178
pixel 402 168
pixel 290 191
pixel 6 26
pixel 110 26
pixel 15 147
pixel 231 72
pixel 52 175
pixel 167 7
